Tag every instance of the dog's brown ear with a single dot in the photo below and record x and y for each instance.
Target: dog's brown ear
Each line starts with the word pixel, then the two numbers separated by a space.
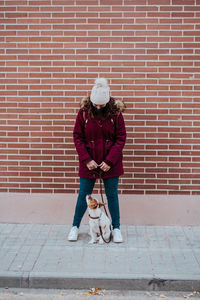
pixel 102 204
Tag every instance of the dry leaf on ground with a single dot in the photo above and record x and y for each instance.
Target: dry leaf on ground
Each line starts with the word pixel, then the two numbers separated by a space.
pixel 191 294
pixel 95 291
pixel 148 294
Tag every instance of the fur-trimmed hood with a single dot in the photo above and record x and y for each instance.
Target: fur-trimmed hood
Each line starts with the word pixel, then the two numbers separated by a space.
pixel 119 104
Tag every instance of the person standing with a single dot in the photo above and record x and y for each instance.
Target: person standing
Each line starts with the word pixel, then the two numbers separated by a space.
pixel 99 136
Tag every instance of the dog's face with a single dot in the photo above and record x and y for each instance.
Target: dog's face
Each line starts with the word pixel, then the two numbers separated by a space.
pixel 93 203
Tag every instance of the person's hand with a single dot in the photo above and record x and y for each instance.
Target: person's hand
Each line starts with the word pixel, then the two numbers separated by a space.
pixel 92 165
pixel 104 167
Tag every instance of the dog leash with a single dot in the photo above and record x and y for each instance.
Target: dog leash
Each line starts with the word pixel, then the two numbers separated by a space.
pixel 99 172
pixel 101 192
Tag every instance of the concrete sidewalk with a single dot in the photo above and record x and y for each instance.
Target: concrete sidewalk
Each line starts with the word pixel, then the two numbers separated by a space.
pixel 151 258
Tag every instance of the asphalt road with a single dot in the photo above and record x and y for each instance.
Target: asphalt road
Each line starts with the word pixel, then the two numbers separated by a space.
pixel 53 294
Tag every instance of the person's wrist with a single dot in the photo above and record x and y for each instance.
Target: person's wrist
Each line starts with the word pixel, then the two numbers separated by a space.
pixel 108 163
pixel 87 161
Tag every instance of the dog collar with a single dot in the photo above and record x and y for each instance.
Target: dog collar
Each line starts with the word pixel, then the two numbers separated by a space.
pixel 95 218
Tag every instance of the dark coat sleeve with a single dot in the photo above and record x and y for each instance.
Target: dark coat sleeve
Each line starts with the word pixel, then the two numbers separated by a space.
pixel 79 138
pixel 116 150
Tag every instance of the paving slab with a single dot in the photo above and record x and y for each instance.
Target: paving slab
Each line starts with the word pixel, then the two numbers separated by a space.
pixel 150 258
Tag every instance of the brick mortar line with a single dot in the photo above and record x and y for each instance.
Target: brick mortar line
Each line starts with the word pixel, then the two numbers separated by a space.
pixel 113 85
pixel 127 126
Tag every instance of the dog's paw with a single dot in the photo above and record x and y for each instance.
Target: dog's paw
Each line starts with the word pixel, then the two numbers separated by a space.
pixel 101 241
pixel 92 241
pixel 107 236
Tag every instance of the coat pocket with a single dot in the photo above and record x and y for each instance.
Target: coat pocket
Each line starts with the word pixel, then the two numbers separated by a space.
pixel 108 146
pixel 91 149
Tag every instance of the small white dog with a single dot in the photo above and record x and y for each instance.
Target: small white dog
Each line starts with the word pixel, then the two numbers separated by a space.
pixel 97 218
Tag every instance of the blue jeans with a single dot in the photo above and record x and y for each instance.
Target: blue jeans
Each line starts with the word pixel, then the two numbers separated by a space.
pixel 111 190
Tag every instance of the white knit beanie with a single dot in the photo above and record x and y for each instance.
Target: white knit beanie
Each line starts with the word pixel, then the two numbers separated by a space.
pixel 100 92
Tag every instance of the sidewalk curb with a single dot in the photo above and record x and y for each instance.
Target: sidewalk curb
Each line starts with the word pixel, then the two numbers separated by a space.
pixel 63 281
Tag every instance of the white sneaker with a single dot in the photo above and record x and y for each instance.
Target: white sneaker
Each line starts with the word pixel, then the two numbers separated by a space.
pixel 117 236
pixel 73 235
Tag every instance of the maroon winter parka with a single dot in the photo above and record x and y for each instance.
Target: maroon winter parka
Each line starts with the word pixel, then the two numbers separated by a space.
pixel 100 141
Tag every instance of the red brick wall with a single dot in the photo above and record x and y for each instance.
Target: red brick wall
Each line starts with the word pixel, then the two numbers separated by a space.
pixel 51 52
